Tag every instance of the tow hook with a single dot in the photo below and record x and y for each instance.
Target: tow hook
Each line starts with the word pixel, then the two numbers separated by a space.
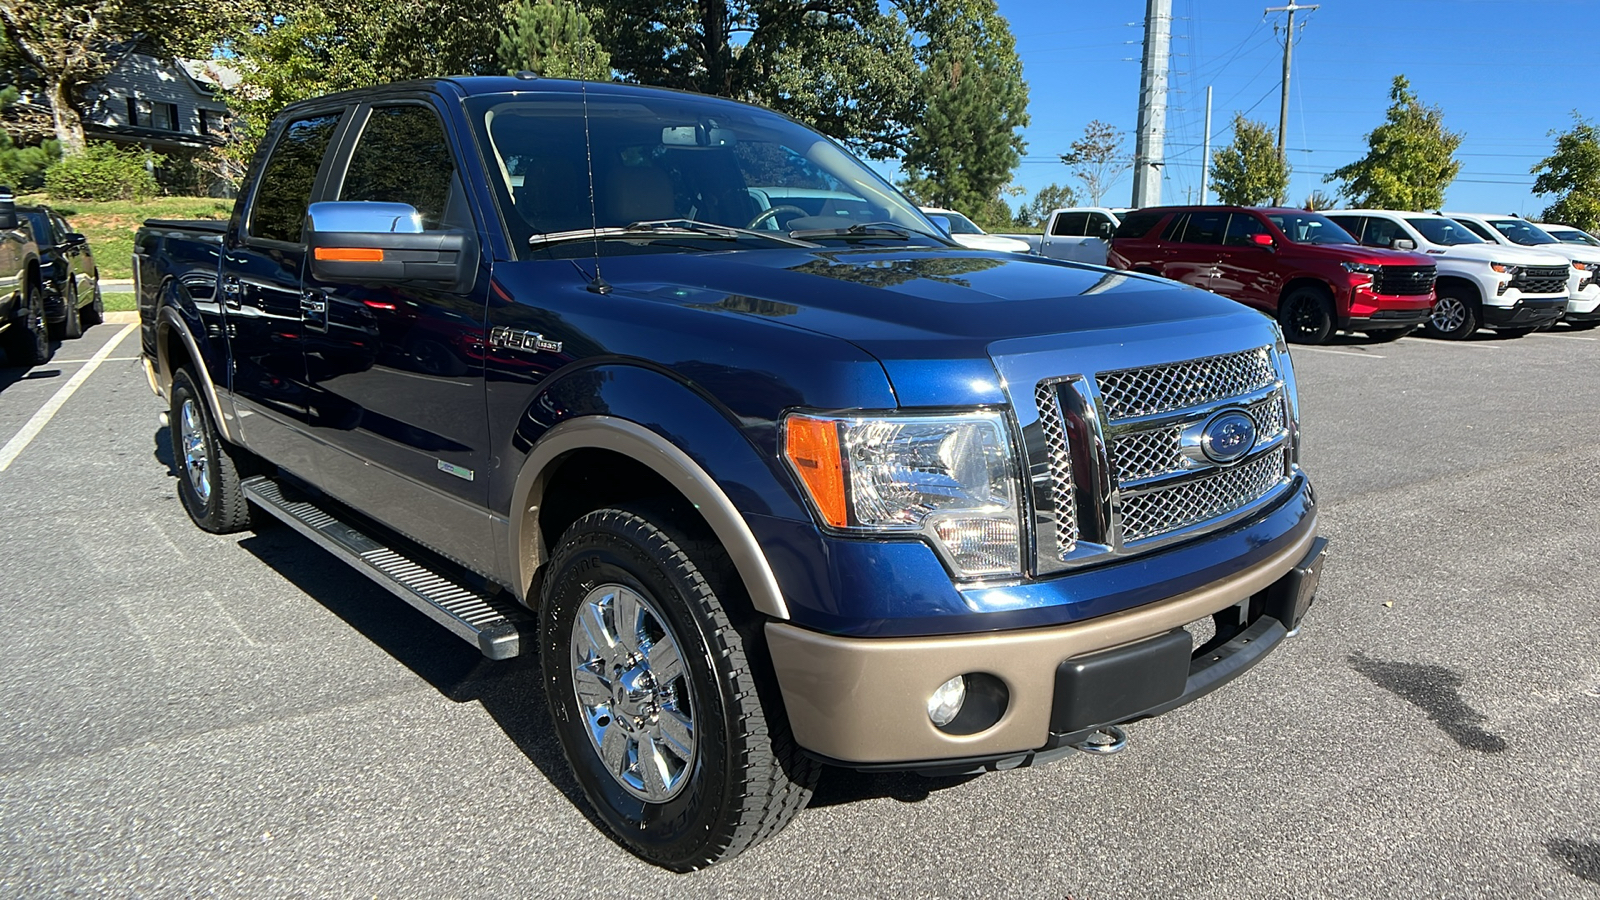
pixel 1106 740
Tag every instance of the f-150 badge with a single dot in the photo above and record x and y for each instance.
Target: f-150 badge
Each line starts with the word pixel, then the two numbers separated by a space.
pixel 518 339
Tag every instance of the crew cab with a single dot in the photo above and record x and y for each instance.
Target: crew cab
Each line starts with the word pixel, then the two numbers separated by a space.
pixel 24 333
pixel 1294 265
pixel 1080 234
pixel 1510 289
pixel 767 485
pixel 1583 280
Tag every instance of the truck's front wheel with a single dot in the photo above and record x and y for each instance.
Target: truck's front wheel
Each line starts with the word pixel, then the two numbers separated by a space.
pixel 654 694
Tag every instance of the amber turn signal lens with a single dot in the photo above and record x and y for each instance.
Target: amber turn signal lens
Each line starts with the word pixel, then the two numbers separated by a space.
pixel 812 446
pixel 350 254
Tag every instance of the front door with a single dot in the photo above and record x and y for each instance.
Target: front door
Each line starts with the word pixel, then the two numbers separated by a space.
pixel 396 395
pixel 1196 247
pixel 1246 271
pixel 260 294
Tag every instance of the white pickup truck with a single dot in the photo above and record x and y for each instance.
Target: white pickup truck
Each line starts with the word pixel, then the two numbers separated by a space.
pixel 1513 290
pixel 1583 283
pixel 1081 234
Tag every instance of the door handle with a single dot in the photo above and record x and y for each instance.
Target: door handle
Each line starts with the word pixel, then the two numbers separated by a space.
pixel 232 292
pixel 314 310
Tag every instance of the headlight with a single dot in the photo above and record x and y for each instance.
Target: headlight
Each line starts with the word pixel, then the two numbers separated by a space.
pixel 1586 266
pixel 1362 268
pixel 1504 268
pixel 950 479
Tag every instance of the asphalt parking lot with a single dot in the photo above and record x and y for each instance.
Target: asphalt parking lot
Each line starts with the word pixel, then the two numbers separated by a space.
pixel 193 715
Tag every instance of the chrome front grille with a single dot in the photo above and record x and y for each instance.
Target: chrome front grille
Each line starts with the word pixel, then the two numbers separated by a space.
pixel 1186 503
pixel 1062 489
pixel 1140 479
pixel 1148 391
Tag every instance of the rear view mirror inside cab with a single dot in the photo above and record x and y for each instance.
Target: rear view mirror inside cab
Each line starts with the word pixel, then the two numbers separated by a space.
pixel 697 136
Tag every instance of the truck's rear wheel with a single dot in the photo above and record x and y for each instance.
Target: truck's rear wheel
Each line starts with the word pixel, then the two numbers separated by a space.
pixel 208 473
pixel 1307 316
pixel 654 694
pixel 28 339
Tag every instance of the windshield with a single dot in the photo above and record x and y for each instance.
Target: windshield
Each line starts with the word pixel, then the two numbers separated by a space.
pixel 1310 228
pixel 1520 232
pixel 1447 232
pixel 1575 237
pixel 676 158
pixel 960 224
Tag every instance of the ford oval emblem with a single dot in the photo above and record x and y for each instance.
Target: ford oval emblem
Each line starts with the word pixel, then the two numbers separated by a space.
pixel 1228 437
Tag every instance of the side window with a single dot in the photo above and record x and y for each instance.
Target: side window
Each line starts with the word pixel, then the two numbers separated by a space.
pixel 1137 224
pixel 1100 226
pixel 1479 230
pixel 1352 224
pixel 1174 230
pixel 1205 228
pixel 1069 225
pixel 1381 233
pixel 1240 227
pixel 279 209
pixel 404 157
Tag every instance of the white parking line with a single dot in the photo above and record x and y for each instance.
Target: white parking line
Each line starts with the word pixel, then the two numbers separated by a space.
pixel 1566 337
pixel 1470 345
pixel 13 447
pixel 1339 352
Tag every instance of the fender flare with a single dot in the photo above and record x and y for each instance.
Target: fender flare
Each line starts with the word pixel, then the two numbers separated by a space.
pixel 665 459
pixel 167 321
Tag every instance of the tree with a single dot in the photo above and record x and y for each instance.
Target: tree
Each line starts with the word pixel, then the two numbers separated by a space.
pixel 845 67
pixel 1248 172
pixel 964 144
pixel 1318 201
pixel 1097 159
pixel 550 38
pixel 72 43
pixel 1572 173
pixel 1408 163
pixel 1049 199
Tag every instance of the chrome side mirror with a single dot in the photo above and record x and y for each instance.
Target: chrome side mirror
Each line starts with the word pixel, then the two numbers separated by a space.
pixel 943 222
pixel 365 216
pixel 1403 244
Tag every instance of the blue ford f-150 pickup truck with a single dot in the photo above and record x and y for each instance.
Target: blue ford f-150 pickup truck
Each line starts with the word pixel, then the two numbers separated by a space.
pixel 773 473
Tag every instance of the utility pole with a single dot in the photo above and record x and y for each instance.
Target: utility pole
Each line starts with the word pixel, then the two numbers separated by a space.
pixel 1288 54
pixel 1148 153
pixel 1205 154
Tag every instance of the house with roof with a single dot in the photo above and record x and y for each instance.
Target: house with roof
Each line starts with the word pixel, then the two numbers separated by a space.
pixel 165 105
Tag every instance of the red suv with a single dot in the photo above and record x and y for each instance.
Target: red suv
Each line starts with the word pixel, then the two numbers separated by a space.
pixel 1295 265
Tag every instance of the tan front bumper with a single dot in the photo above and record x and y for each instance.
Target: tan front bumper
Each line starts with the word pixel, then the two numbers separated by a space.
pixel 864 700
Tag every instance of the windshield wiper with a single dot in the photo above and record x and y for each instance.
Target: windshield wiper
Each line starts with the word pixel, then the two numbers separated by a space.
pixel 868 229
pixel 663 228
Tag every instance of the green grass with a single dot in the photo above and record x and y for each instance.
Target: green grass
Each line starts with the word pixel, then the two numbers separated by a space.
pixel 121 302
pixel 110 225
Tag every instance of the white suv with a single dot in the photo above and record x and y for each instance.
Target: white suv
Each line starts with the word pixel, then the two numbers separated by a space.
pixel 1511 289
pixel 1583 287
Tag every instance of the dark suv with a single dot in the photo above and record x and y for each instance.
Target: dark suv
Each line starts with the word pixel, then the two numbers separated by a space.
pixel 1295 265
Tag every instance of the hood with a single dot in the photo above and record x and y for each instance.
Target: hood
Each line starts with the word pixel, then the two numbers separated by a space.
pixel 1355 253
pixel 1555 254
pixel 1487 253
pixel 930 315
pixel 990 242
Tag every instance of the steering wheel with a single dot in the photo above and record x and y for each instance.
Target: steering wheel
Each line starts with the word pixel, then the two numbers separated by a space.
pixel 772 212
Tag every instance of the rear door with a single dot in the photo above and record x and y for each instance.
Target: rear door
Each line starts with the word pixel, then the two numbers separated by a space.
pixel 1193 246
pixel 396 372
pixel 1064 235
pixel 263 254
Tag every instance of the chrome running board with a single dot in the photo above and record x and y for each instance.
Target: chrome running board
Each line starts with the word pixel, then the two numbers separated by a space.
pixel 469 614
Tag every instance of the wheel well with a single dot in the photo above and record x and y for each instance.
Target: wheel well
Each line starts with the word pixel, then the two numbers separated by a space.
pixel 1468 288
pixel 174 353
pixel 1298 283
pixel 590 479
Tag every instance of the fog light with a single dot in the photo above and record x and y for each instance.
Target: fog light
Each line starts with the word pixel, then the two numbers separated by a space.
pixel 945 704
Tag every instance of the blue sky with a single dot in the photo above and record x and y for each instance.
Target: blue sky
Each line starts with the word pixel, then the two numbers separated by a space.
pixel 1505 72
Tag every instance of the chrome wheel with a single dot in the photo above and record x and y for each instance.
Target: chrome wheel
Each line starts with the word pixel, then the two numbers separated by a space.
pixel 628 674
pixel 192 443
pixel 1449 313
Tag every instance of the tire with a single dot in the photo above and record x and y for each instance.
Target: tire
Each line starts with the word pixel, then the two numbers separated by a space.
pixel 1307 316
pixel 95 312
pixel 208 472
pixel 727 774
pixel 1385 337
pixel 71 325
pixel 1454 317
pixel 28 341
